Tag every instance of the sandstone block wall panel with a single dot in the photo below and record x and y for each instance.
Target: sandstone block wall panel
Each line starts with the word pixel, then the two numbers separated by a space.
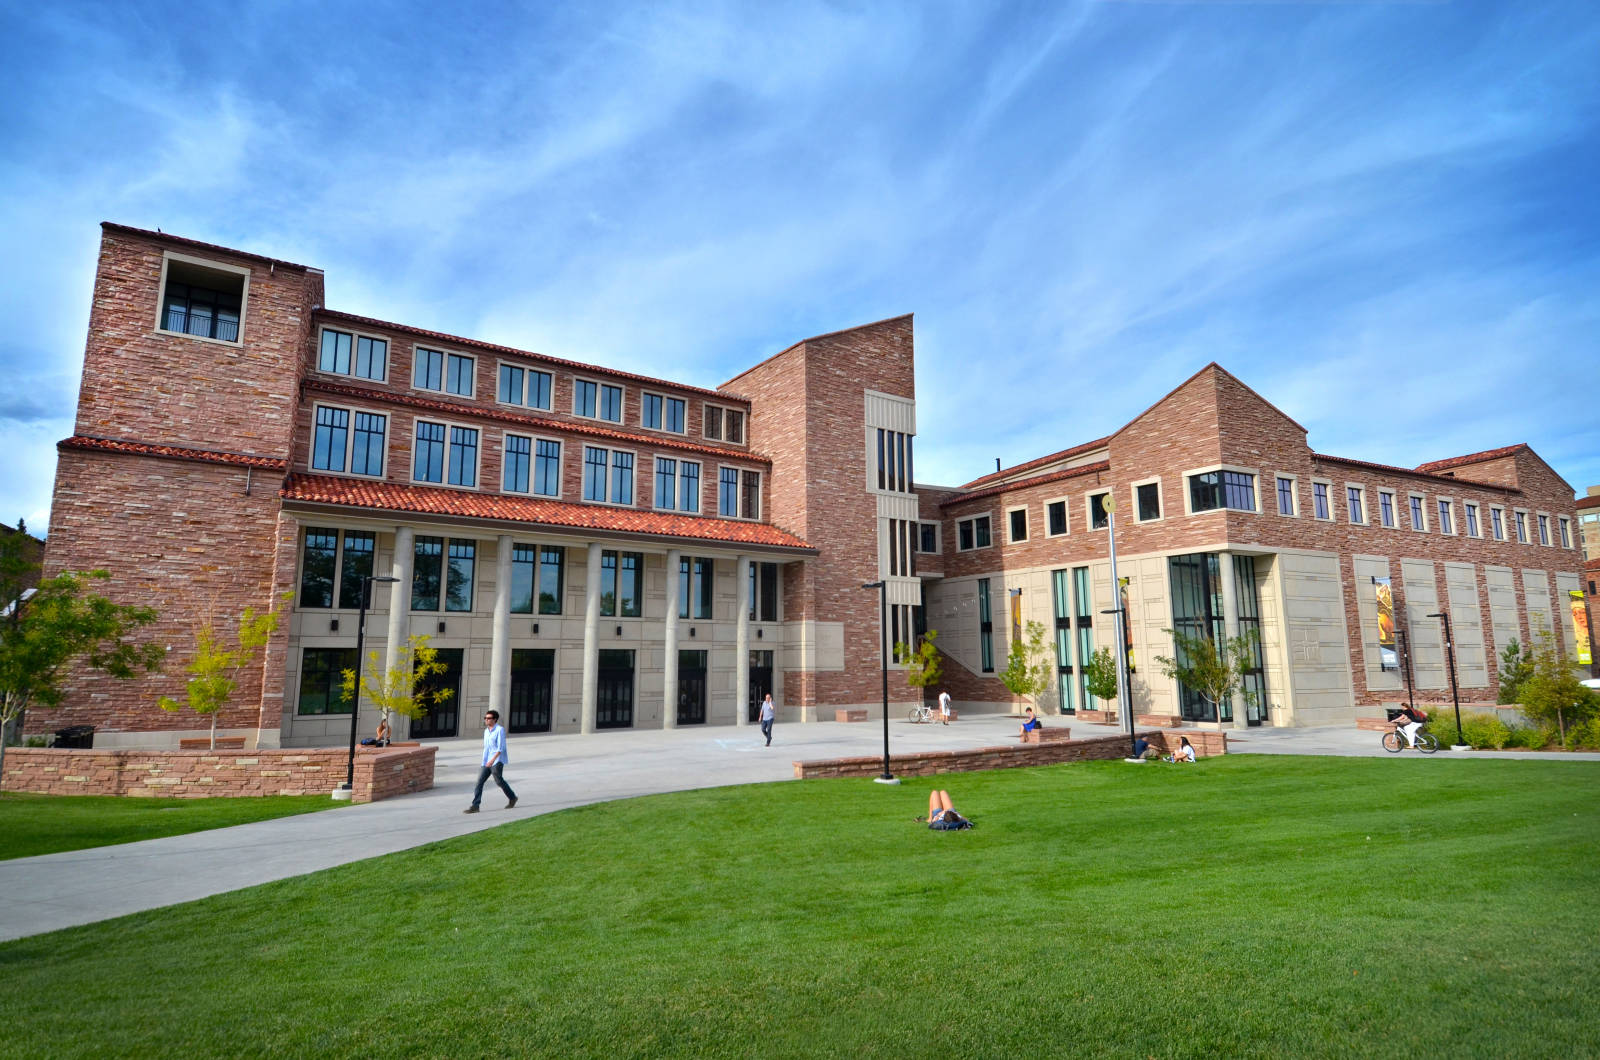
pixel 1466 625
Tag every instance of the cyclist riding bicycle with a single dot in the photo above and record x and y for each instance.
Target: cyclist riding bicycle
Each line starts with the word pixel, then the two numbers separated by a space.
pixel 1410 721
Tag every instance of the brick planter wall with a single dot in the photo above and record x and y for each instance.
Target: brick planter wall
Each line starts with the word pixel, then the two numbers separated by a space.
pixel 931 763
pixel 380 774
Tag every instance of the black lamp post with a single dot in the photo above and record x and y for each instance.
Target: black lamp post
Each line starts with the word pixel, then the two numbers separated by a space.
pixel 883 645
pixel 1405 653
pixel 1450 657
pixel 367 581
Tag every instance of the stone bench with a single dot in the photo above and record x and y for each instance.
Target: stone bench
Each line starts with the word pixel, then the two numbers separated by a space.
pixel 1158 721
pixel 1102 717
pixel 1049 734
pixel 850 715
pixel 203 743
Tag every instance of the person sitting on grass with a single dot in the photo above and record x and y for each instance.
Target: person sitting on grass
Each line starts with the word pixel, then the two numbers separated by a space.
pixel 1184 753
pixel 942 816
pixel 1031 724
pixel 1140 746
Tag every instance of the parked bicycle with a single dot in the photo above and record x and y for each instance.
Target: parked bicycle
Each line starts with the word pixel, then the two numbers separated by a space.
pixel 1394 741
pixel 921 714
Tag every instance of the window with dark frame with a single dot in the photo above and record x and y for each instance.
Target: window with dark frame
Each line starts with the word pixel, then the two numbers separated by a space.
pixel 1285 495
pixel 1319 501
pixel 547 468
pixel 1019 524
pixel 621 477
pixel 750 501
pixel 355 566
pixel 688 486
pixel 595 463
pixel 517 464
pixel 330 439
pixel 1099 518
pixel 1544 529
pixel 371 356
pixel 928 538
pixel 1355 503
pixel 427 372
pixel 621 584
pixel 763 592
pixel 1233 490
pixel 1497 523
pixel 203 302
pixel 463 456
pixel 1417 521
pixel 1056 517
pixel 1470 511
pixel 696 587
pixel 985 628
pixel 1446 524
pixel 1386 508
pixel 528 387
pixel 428 452
pixel 666 483
pixel 728 492
pixel 1149 501
pixel 319 559
pixel 322 680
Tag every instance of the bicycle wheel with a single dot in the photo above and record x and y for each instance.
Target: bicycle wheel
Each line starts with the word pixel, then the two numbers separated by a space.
pixel 1427 744
pixel 1391 742
pixel 915 716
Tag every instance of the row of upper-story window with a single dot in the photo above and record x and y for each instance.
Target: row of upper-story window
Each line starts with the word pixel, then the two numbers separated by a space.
pixel 337 563
pixel 355 442
pixel 351 353
pixel 1235 489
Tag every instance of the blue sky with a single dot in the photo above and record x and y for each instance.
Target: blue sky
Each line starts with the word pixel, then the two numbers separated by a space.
pixel 1382 216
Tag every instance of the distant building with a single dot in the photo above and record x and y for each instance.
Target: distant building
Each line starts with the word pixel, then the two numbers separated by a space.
pixel 594 549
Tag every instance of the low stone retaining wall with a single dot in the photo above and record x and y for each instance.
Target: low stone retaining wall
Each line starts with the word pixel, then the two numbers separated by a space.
pixel 932 763
pixel 381 773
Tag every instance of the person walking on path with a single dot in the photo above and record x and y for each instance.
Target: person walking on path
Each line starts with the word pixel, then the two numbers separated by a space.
pixel 767 714
pixel 494 762
pixel 944 707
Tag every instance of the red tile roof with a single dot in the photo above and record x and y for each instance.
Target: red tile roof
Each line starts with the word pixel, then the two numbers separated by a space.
pixel 1410 473
pixel 548 423
pixel 1471 458
pixel 112 226
pixel 172 452
pixel 1085 447
pixel 635 522
pixel 1037 480
pixel 1592 501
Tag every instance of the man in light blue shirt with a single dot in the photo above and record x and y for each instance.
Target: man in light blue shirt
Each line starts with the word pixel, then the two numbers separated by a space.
pixel 494 761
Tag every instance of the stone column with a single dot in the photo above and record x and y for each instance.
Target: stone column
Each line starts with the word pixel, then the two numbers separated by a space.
pixel 669 695
pixel 399 601
pixel 500 648
pixel 1230 621
pixel 591 641
pixel 741 644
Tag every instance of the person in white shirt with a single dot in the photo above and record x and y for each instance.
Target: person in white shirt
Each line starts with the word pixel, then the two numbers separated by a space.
pixel 944 707
pixel 767 714
pixel 494 762
pixel 1185 751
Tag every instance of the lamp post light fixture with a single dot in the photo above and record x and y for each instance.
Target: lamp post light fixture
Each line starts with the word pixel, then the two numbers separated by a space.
pixel 349 788
pixel 1450 657
pixel 1124 699
pixel 1405 653
pixel 883 645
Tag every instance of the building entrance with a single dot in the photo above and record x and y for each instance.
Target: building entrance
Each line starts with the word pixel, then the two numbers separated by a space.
pixel 532 675
pixel 760 681
pixel 691 688
pixel 614 695
pixel 443 716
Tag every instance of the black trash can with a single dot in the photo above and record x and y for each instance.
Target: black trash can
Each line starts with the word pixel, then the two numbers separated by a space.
pixel 78 736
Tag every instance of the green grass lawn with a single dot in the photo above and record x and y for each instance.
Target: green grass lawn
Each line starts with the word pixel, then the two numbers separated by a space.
pixel 48 824
pixel 1255 906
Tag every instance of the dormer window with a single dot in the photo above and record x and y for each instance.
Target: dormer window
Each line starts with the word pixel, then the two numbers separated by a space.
pixel 202 300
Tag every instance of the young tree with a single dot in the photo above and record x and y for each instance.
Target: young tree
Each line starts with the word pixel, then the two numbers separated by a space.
pixel 1100 675
pixel 61 621
pixel 1516 666
pixel 1028 664
pixel 1213 672
pixel 1554 692
pixel 923 666
pixel 402 688
pixel 215 669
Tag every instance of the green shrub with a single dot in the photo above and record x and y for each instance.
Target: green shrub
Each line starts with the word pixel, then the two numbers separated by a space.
pixel 38 741
pixel 1484 730
pixel 1585 735
pixel 1532 737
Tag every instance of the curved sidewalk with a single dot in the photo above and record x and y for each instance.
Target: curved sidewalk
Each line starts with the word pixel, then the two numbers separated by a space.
pixel 548 773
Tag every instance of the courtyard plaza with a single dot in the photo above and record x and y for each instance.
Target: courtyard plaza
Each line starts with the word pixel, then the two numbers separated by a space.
pixel 548 772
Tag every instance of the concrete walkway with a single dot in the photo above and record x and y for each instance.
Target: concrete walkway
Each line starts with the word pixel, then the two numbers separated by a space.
pixel 548 773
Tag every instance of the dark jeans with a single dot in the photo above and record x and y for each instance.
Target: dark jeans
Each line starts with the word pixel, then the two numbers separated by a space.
pixel 483 776
pixel 766 729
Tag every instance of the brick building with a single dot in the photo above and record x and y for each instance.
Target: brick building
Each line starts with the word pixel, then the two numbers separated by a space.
pixel 595 549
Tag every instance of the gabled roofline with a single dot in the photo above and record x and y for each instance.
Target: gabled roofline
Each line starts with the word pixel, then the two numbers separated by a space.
pixel 1409 473
pixel 163 237
pixel 1028 483
pixel 818 338
pixel 1482 457
pixel 1076 450
pixel 1208 366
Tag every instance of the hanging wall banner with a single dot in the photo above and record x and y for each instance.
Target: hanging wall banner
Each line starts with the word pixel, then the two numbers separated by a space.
pixel 1387 657
pixel 1580 627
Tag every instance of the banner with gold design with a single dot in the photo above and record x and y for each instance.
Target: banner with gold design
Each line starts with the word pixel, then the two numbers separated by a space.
pixel 1388 658
pixel 1580 626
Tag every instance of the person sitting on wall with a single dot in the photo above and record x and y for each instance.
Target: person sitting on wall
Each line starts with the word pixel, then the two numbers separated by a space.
pixel 942 815
pixel 1031 724
pixel 1184 753
pixel 384 732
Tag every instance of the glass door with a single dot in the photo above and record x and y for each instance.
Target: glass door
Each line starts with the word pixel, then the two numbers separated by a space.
pixel 443 716
pixel 532 675
pixel 614 696
pixel 760 681
pixel 691 687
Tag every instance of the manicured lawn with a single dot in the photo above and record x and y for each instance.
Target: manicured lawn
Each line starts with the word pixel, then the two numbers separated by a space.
pixel 1249 906
pixel 47 824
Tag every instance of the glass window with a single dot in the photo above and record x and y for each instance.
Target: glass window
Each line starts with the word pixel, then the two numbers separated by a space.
pixel 203 311
pixel 985 628
pixel 538 389
pixel 332 437
pixel 1471 512
pixel 713 422
pixel 1522 527
pixel 1544 529
pixel 524 564
pixel 335 355
pixel 764 592
pixel 1285 495
pixel 428 452
pixel 584 396
pixel 611 403
pixel 928 538
pixel 1566 533
pixel 980 531
pixel 728 492
pixel 322 680
pixel 1355 504
pixel 428 373
pixel 1019 524
pixel 608 584
pixel 1319 500
pixel 427 571
pixel 463 456
pixel 650 410
pixel 459 372
pixel 1056 515
pixel 595 462
pixel 964 535
pixel 750 504
pixel 1386 507
pixel 367 448
pixel 1497 524
pixel 518 458
pixel 524 386
pixel 676 415
pixel 733 426
pixel 359 547
pixel 1098 519
pixel 1149 501
pixel 696 585
pixel 458 576
pixel 372 358
pixel 621 583
pixel 1235 490
pixel 1445 524
pixel 318 559
pixel 666 483
pixel 689 486
pixel 621 478
pixel 511 383
pixel 552 575
pixel 1417 522
pixel 547 468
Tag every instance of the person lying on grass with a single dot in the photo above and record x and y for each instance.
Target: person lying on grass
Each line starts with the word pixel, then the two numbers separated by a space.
pixel 942 816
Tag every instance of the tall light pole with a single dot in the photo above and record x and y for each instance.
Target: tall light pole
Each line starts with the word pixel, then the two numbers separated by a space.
pixel 1450 657
pixel 883 646
pixel 367 580
pixel 1124 699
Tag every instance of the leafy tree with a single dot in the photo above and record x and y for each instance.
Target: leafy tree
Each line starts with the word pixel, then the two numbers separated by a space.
pixel 1100 675
pixel 402 688
pixel 1029 664
pixel 923 665
pixel 61 621
pixel 1516 666
pixel 214 671
pixel 1554 692
pixel 1213 672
